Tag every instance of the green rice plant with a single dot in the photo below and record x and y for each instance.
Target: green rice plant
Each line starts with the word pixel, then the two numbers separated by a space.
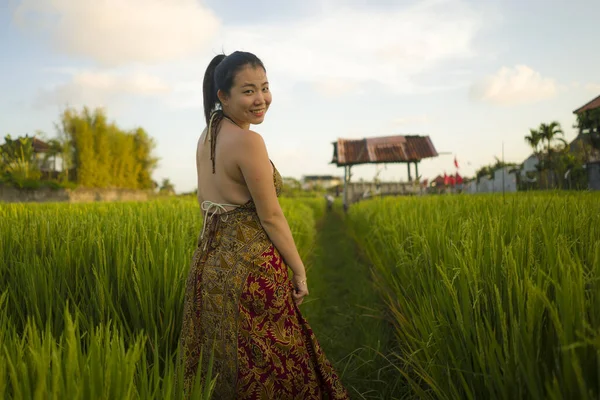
pixel 97 365
pixel 317 204
pixel 491 297
pixel 114 266
pixel 301 220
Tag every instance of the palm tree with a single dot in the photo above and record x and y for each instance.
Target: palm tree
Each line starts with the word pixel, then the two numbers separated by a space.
pixel 550 133
pixel 533 139
pixel 55 149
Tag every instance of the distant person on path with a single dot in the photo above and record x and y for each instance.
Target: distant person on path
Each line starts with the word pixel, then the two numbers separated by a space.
pixel 238 293
pixel 330 200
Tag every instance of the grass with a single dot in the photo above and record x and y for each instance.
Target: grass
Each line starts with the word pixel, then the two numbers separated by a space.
pixel 490 298
pixel 442 297
pixel 347 314
pixel 91 296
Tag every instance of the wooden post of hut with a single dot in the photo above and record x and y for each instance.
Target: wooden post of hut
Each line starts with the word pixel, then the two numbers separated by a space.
pixel 346 183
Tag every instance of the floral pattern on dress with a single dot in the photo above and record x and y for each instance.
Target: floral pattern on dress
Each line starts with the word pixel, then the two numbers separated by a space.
pixel 238 301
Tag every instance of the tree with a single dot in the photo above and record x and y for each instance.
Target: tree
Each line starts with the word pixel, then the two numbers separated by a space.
pixel 66 154
pixel 488 171
pixel 485 171
pixel 144 145
pixel 102 155
pixel 546 135
pixel 588 123
pixel 55 149
pixel 534 140
pixel 167 187
pixel 568 166
pixel 17 160
pixel 550 133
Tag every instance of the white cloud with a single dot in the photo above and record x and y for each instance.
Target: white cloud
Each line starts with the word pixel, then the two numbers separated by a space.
pixel 410 120
pixel 115 32
pixel 334 87
pixel 518 85
pixel 99 88
pixel 593 87
pixel 387 47
pixel 186 94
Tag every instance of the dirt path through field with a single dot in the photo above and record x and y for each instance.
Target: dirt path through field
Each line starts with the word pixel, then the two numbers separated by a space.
pixel 346 313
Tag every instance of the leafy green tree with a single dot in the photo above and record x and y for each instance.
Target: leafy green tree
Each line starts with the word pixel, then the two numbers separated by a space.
pixel 588 123
pixel 144 145
pixel 18 164
pixel 489 170
pixel 568 165
pixel 100 154
pixel 167 187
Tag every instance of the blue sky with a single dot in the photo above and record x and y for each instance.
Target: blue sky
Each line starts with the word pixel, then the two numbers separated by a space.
pixel 470 74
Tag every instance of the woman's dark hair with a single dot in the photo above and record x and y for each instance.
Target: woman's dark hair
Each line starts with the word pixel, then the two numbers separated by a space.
pixel 219 75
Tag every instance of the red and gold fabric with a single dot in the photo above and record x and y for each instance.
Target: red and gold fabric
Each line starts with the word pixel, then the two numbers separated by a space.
pixel 239 299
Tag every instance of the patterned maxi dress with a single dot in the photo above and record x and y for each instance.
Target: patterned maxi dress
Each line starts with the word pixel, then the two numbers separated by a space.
pixel 239 298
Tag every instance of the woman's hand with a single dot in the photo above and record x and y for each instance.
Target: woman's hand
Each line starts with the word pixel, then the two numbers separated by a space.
pixel 300 288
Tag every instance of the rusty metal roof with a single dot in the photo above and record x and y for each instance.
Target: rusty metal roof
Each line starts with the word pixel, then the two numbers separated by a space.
pixel 589 106
pixel 387 149
pixel 39 146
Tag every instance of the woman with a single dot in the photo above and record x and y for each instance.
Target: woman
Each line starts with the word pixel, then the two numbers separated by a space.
pixel 240 302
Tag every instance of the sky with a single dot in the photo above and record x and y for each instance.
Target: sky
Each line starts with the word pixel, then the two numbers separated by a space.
pixel 474 75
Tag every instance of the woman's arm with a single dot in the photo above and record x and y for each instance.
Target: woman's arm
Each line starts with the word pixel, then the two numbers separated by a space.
pixel 256 169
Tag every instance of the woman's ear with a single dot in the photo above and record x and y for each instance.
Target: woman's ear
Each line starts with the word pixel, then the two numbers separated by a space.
pixel 222 97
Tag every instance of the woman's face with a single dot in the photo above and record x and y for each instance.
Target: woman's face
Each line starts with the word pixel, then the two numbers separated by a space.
pixel 249 97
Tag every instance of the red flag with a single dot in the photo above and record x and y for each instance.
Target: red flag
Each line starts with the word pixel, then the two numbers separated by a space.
pixel 459 179
pixel 455 162
pixel 452 180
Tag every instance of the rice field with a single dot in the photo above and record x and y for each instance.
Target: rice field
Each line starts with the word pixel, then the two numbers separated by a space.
pixel 490 298
pixel 484 297
pixel 91 296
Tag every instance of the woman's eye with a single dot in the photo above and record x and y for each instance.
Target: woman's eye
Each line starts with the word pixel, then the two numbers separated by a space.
pixel 248 91
pixel 265 89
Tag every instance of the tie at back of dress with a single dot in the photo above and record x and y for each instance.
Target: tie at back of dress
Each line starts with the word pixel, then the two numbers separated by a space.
pixel 207 206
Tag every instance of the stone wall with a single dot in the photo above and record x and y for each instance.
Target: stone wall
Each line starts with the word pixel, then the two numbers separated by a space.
pixel 495 185
pixel 79 195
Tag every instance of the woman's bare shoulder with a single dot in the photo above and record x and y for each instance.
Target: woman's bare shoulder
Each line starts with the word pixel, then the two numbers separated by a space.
pixel 248 141
pixel 248 147
pixel 249 135
pixel 200 144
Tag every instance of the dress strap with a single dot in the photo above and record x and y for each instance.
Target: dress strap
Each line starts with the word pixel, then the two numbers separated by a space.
pixel 210 209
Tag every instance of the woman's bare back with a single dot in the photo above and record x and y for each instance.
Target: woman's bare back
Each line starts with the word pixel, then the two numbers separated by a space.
pixel 227 184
